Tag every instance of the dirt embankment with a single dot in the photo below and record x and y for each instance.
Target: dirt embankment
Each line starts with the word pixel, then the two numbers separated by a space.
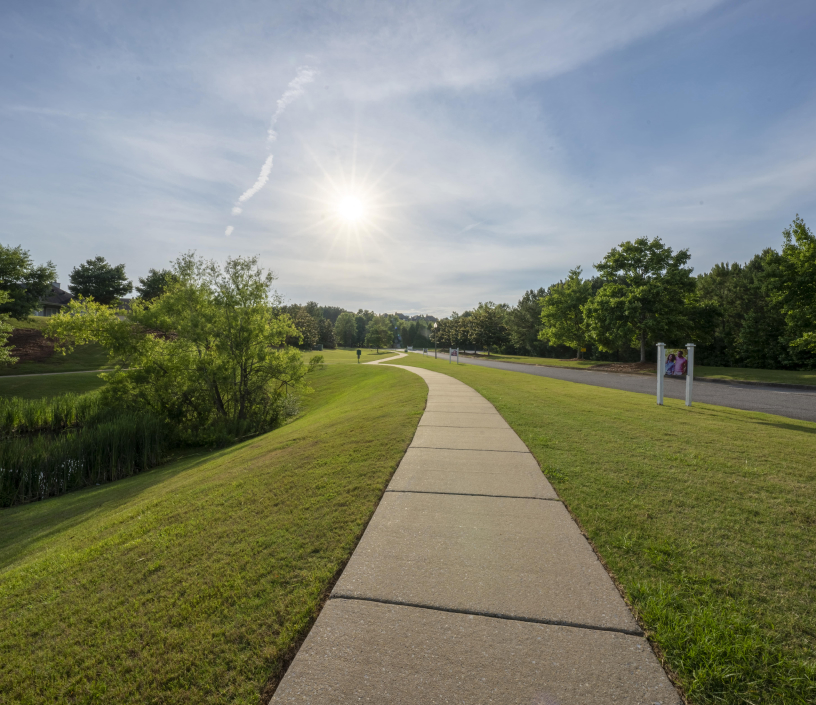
pixel 29 345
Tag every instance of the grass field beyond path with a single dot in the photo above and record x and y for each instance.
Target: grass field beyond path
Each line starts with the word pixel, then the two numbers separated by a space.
pixel 706 516
pixel 731 374
pixel 193 583
pixel 39 386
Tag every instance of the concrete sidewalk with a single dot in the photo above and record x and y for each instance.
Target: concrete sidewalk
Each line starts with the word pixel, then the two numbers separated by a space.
pixel 472 584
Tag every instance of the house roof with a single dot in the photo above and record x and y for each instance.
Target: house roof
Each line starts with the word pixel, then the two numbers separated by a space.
pixel 56 297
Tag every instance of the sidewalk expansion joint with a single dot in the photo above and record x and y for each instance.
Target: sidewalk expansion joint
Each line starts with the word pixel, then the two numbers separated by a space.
pixel 478 450
pixel 466 428
pixel 462 413
pixel 492 615
pixel 479 494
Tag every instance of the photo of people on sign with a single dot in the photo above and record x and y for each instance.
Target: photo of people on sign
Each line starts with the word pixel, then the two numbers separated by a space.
pixel 676 363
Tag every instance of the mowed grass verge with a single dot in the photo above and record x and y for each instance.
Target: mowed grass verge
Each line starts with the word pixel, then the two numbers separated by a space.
pixel 44 386
pixel 526 360
pixel 731 374
pixel 194 582
pixel 705 515
pixel 746 374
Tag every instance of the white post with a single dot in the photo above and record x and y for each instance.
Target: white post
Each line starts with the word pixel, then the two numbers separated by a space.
pixel 661 371
pixel 689 372
pixel 450 356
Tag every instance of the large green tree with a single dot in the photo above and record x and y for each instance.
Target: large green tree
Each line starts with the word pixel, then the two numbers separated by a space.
pixel 345 329
pixel 99 280
pixel 155 283
pixel 488 325
pixel 332 313
pixel 524 323
pixel 647 294
pixel 562 312
pixel 208 356
pixel 797 284
pixel 379 332
pixel 25 283
pixel 6 358
pixel 325 333
pixel 308 329
pixel 746 322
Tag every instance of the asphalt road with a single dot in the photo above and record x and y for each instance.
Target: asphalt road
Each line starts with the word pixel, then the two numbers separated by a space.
pixel 793 403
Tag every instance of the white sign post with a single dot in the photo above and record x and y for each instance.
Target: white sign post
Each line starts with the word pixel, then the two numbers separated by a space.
pixel 689 372
pixel 661 371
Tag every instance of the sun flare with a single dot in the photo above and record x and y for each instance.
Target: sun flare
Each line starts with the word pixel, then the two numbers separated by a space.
pixel 351 209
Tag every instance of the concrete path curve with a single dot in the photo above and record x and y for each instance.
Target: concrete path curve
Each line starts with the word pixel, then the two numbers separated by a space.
pixel 794 403
pixel 472 584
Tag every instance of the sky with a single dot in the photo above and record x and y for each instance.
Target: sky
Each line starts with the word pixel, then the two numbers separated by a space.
pixel 418 157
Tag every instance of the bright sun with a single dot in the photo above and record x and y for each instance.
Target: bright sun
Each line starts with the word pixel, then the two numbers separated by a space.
pixel 351 209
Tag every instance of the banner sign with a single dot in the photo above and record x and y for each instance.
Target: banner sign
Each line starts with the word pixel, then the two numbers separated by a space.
pixel 676 363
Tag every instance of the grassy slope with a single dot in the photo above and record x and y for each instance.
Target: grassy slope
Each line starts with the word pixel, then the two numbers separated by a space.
pixel 707 516
pixel 39 386
pixel 193 582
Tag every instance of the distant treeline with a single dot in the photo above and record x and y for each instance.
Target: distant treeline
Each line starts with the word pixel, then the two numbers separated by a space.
pixel 758 314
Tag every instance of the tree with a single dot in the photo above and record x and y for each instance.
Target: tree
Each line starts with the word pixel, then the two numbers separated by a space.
pixel 307 329
pixel 524 323
pixel 325 333
pixel 746 324
pixel 797 285
pixel 562 312
pixel 155 283
pixel 489 325
pixel 100 280
pixel 25 284
pixel 345 329
pixel 379 332
pixel 362 320
pixel 332 313
pixel 207 356
pixel 646 295
pixel 6 358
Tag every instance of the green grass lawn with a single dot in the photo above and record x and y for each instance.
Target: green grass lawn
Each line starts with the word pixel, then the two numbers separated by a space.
pixel 194 582
pixel 546 361
pixel 736 374
pixel 35 322
pixel 85 357
pixel 348 356
pixel 705 515
pixel 39 386
pixel 744 374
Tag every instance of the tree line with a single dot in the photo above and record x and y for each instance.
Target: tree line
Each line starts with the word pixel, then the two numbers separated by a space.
pixel 758 314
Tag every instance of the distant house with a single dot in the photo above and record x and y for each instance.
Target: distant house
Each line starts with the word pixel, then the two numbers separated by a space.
pixel 53 303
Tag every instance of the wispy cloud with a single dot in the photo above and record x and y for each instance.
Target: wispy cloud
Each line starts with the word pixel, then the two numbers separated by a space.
pixel 260 182
pixel 295 89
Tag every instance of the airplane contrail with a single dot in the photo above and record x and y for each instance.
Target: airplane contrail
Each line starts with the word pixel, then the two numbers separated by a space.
pixel 294 90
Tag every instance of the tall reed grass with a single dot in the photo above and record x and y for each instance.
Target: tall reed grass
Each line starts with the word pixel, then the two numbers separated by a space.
pixel 21 416
pixel 45 465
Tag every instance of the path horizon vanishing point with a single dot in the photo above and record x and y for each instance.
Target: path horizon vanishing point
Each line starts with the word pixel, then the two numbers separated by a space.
pixel 473 584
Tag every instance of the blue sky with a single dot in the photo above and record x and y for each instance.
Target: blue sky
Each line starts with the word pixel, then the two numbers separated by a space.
pixel 493 147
